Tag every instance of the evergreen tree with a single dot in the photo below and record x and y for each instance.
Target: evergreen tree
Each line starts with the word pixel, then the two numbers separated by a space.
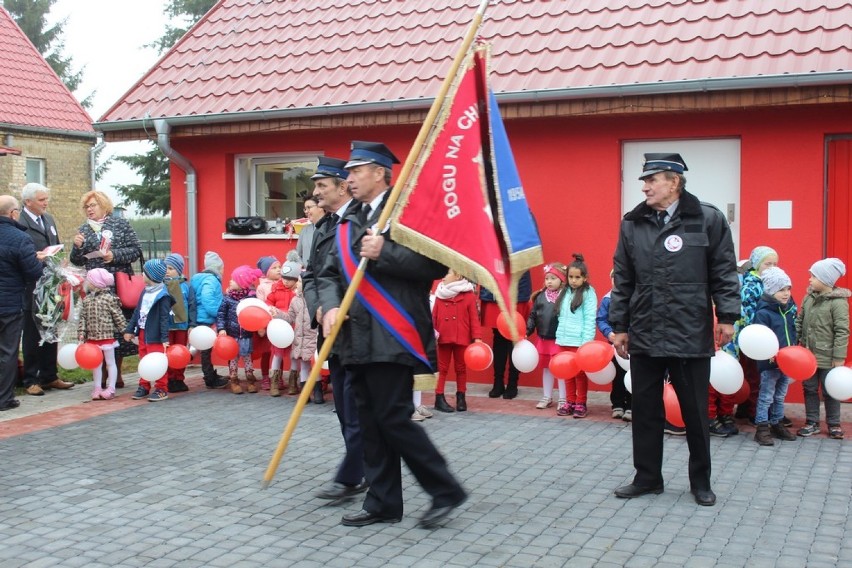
pixel 153 194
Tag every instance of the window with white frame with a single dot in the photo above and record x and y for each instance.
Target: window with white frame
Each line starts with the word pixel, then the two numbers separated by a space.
pixel 273 186
pixel 35 170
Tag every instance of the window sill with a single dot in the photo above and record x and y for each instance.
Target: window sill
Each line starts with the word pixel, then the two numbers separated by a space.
pixel 263 237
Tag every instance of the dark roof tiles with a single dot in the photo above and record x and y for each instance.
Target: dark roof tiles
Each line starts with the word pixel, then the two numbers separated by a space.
pixel 248 55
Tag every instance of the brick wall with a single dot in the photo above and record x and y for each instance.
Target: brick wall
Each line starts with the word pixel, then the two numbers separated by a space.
pixel 67 175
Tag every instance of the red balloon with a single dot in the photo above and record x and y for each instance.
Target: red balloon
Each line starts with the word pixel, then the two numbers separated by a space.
pixel 505 330
pixel 796 362
pixel 179 356
pixel 89 356
pixel 226 347
pixel 742 395
pixel 478 356
pixel 564 365
pixel 253 318
pixel 673 414
pixel 594 356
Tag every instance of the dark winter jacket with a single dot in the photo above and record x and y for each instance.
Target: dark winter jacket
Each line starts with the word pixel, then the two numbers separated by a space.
pixel 157 321
pixel 543 317
pixel 524 290
pixel 405 275
pixel 780 318
pixel 668 280
pixel 323 242
pixel 19 268
pixel 124 245
pixel 602 319
pixel 226 318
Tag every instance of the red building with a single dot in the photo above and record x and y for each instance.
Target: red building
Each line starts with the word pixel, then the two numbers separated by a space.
pixel 756 96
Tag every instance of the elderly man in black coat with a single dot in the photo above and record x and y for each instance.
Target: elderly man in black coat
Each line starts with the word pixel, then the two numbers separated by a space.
pixel 372 348
pixel 673 263
pixel 19 268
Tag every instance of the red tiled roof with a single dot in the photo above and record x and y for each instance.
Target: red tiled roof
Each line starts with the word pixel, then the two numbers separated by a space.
pixel 246 55
pixel 31 94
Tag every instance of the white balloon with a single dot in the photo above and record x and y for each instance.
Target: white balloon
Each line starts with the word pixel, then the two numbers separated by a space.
pixel 246 302
pixel 758 342
pixel 628 382
pixel 726 373
pixel 525 356
pixel 153 366
pixel 202 337
pixel 280 333
pixel 193 351
pixel 838 383
pixel 604 376
pixel 66 356
pixel 622 362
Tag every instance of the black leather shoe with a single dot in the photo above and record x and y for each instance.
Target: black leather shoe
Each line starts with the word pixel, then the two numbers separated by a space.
pixel 631 491
pixel 704 497
pixel 435 516
pixel 337 491
pixel 12 404
pixel 364 518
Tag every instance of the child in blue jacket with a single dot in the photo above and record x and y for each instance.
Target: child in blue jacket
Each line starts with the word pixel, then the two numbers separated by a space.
pixel 205 297
pixel 777 311
pixel 150 322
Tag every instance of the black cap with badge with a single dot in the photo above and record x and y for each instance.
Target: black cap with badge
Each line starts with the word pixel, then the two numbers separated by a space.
pixel 364 153
pixel 660 162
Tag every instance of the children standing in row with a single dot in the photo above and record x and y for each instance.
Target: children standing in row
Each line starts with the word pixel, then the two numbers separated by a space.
pixel 241 286
pixel 178 318
pixel 823 327
pixel 576 327
pixel 777 311
pixel 150 323
pixel 100 320
pixel 544 319
pixel 456 323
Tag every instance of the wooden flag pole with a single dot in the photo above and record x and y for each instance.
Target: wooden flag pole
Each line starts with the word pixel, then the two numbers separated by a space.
pixel 348 298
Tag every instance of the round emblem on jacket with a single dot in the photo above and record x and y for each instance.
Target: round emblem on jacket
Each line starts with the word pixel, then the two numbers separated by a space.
pixel 674 243
pixel 107 234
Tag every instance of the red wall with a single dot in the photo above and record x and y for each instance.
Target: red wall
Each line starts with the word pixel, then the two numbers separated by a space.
pixel 570 168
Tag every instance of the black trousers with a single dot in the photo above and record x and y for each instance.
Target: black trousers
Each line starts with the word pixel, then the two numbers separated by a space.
pixel 619 396
pixel 502 356
pixel 383 392
pixel 10 335
pixel 351 469
pixel 690 379
pixel 39 361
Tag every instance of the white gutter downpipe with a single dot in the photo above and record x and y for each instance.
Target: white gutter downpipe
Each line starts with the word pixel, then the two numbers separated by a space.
pixel 163 129
pixel 93 152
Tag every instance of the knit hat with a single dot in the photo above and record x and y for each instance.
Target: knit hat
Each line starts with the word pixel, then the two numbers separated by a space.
pixel 265 262
pixel 774 279
pixel 100 278
pixel 759 254
pixel 155 269
pixel 828 270
pixel 214 262
pixel 245 276
pixel 293 267
pixel 175 261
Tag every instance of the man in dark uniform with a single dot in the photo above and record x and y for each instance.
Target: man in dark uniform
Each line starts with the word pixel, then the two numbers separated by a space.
pixel 40 371
pixel 386 340
pixel 331 192
pixel 674 261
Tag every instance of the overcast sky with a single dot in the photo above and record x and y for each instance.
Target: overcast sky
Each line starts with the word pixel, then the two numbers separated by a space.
pixel 106 39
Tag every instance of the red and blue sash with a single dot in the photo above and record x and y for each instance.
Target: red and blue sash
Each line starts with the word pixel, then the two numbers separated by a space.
pixel 379 303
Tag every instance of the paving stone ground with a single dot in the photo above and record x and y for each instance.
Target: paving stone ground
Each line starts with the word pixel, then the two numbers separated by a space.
pixel 178 483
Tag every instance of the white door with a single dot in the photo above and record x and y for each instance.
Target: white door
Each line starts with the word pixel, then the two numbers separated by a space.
pixel 713 175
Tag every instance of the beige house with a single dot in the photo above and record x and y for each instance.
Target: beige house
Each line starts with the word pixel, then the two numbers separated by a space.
pixel 45 135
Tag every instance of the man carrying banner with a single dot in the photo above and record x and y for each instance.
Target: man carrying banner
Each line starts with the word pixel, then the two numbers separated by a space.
pixel 331 192
pixel 387 339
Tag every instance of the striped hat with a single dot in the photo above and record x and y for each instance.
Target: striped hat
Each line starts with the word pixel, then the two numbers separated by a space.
pixel 155 270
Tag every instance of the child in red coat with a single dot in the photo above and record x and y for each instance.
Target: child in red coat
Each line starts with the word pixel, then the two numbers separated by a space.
pixel 456 322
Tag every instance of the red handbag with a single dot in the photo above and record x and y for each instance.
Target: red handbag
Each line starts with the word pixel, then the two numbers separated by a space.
pixel 129 287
